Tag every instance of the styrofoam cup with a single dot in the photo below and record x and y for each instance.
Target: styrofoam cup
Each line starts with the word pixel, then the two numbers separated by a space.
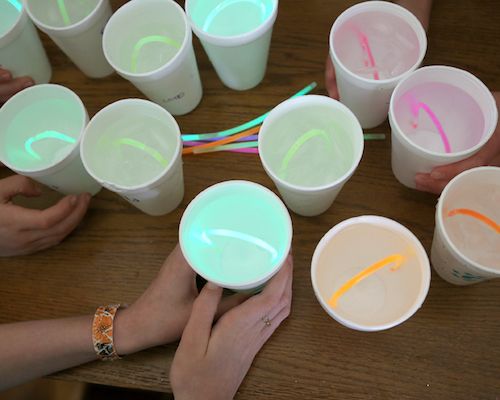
pixel 21 51
pixel 236 35
pixel 380 300
pixel 432 99
pixel 310 146
pixel 466 250
pixel 76 27
pixel 377 33
pixel 133 147
pixel 157 56
pixel 40 136
pixel 236 234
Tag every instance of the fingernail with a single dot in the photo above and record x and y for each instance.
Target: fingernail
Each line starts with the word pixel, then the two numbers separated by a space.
pixel 73 200
pixel 437 175
pixel 211 286
pixel 28 84
pixel 5 76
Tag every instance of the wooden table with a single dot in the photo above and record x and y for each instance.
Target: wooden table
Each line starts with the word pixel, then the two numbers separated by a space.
pixel 449 350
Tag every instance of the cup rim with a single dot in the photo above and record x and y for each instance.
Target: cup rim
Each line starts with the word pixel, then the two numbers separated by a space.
pixel 151 182
pixel 236 40
pixel 78 24
pixel 395 226
pixel 311 99
pixel 454 155
pixel 72 153
pixel 170 64
pixel 16 27
pixel 440 224
pixel 248 284
pixel 415 24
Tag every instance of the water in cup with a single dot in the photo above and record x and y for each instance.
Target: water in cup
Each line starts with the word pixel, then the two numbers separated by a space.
pixel 377 45
pixel 440 117
pixel 132 151
pixel 9 14
pixel 470 224
pixel 231 17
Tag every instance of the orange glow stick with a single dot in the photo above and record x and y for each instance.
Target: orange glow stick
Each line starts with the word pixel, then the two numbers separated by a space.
pixel 474 214
pixel 396 259
pixel 229 139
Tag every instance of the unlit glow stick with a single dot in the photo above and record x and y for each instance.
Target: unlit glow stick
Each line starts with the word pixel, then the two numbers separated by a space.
pixel 246 125
pixel 232 146
pixel 141 146
pixel 46 135
pixel 396 259
pixel 416 107
pixel 297 145
pixel 474 214
pixel 365 45
pixel 230 139
pixel 64 12
pixel 150 39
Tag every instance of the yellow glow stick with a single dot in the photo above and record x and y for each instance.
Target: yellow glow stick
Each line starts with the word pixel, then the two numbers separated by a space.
pixel 396 259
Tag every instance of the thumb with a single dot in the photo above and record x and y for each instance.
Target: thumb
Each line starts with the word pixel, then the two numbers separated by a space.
pixel 17 184
pixel 199 327
pixel 447 172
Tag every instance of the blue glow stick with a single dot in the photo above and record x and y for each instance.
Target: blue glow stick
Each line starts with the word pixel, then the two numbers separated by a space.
pixel 46 135
pixel 245 126
pixel 227 3
pixel 17 4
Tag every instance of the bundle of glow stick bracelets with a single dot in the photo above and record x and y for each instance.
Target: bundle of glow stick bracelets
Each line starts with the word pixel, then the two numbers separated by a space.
pixel 242 138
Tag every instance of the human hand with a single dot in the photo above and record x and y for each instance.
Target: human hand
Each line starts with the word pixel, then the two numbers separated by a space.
pixel 10 86
pixel 161 313
pixel 26 231
pixel 211 362
pixel 440 176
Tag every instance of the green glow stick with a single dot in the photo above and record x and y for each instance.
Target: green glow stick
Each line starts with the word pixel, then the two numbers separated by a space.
pixel 64 12
pixel 247 125
pixel 150 39
pixel 297 145
pixel 46 135
pixel 141 146
pixel 374 136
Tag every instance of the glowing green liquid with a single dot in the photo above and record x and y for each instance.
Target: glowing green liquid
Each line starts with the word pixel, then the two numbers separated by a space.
pixel 9 14
pixel 236 233
pixel 231 17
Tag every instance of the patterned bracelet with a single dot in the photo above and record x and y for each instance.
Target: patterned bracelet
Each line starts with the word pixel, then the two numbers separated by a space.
pixel 102 332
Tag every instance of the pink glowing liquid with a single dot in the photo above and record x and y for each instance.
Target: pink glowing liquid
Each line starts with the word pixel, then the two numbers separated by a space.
pixel 376 45
pixel 440 118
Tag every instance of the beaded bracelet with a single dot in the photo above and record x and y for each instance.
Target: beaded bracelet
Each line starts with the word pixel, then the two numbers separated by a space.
pixel 102 332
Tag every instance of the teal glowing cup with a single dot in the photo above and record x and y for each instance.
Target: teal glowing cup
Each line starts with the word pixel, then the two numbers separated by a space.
pixel 40 137
pixel 236 35
pixel 21 51
pixel 236 234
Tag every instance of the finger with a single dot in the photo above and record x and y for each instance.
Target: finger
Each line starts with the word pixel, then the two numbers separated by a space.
pixel 17 184
pixel 285 301
pixel 199 327
pixel 10 88
pixel 5 75
pixel 447 172
pixel 331 80
pixel 425 183
pixel 29 219
pixel 229 302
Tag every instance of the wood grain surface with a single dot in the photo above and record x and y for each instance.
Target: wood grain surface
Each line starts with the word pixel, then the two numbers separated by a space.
pixel 449 350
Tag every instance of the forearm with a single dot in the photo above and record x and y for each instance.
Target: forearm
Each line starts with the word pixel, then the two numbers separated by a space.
pixel 29 350
pixel 420 8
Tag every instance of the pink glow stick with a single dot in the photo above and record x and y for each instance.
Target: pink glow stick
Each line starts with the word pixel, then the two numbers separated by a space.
pixel 365 45
pixel 415 108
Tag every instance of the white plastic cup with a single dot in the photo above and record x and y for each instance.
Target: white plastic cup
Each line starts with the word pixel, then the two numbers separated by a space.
pixel 21 51
pixel 367 97
pixel 76 27
pixel 157 56
pixel 133 148
pixel 40 138
pixel 236 234
pixel 461 103
pixel 465 250
pixel 387 297
pixel 236 36
pixel 310 146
